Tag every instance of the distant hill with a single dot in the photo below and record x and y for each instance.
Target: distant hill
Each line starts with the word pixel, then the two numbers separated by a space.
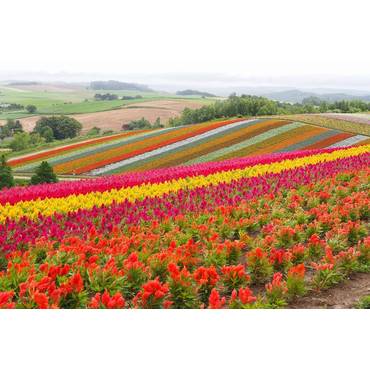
pixel 195 92
pixel 23 83
pixel 118 85
pixel 298 96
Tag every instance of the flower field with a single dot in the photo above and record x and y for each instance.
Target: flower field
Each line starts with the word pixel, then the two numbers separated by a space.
pixel 253 232
pixel 210 141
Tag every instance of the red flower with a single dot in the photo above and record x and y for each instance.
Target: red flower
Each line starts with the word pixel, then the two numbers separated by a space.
pixel 206 276
pixel 322 267
pixel 245 296
pixel 152 294
pixel 215 301
pixel 297 271
pixel 277 283
pixel 106 301
pixel 76 282
pixel 6 300
pixel 41 300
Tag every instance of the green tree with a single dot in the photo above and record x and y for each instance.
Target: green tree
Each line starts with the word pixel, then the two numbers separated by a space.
pixel 44 174
pixel 157 123
pixel 31 108
pixel 6 176
pixel 63 127
pixel 47 133
pixel 21 141
pixel 36 139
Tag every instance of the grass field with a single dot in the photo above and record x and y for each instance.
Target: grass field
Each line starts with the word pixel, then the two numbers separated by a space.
pixel 193 144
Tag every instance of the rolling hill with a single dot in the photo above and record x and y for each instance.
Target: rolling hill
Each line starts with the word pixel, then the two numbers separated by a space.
pixel 192 144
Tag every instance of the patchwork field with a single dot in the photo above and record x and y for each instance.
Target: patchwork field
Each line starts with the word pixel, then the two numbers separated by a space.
pixel 78 101
pixel 114 119
pixel 185 145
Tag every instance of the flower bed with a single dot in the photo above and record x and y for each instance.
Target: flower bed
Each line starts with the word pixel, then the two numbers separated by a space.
pixel 295 233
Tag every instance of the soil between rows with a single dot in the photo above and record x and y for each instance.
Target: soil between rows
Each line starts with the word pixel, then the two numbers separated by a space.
pixel 343 295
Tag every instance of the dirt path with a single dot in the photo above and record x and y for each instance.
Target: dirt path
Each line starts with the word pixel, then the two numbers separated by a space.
pixel 344 295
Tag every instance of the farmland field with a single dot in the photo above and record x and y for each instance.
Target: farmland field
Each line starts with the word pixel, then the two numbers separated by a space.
pixel 259 232
pixel 114 119
pixel 209 141
pixel 79 101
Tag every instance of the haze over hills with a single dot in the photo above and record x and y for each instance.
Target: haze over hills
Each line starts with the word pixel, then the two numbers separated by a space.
pixel 203 85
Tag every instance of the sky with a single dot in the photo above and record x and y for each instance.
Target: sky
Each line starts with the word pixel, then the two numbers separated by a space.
pixel 264 42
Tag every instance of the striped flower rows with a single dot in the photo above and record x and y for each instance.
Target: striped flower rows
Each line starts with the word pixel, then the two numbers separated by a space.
pixel 32 209
pixel 210 141
pixel 65 158
pixel 196 189
pixel 23 162
pixel 253 137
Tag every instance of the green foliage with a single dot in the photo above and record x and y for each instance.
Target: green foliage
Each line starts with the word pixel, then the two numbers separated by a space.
pixel 20 141
pixel 248 105
pixel 24 140
pixel 31 108
pixel 139 124
pixel 62 126
pixel 10 128
pixel 44 174
pixel 6 176
pixel 47 133
pixel 94 131
pixel 364 302
pixel 106 96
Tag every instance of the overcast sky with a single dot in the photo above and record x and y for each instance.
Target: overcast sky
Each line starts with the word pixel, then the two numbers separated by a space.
pixel 262 42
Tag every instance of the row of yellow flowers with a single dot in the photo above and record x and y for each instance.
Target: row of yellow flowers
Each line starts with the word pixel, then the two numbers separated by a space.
pixel 49 206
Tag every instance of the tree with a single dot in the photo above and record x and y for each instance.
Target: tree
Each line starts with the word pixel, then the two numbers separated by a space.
pixel 6 176
pixel 21 141
pixel 62 126
pixel 44 174
pixel 47 133
pixel 36 139
pixel 31 108
pixel 157 123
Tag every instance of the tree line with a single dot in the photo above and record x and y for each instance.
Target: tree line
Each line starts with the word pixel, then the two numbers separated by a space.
pixel 249 105
pixel 47 129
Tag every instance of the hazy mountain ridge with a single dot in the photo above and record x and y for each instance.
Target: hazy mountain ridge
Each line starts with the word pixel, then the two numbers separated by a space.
pixel 298 96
